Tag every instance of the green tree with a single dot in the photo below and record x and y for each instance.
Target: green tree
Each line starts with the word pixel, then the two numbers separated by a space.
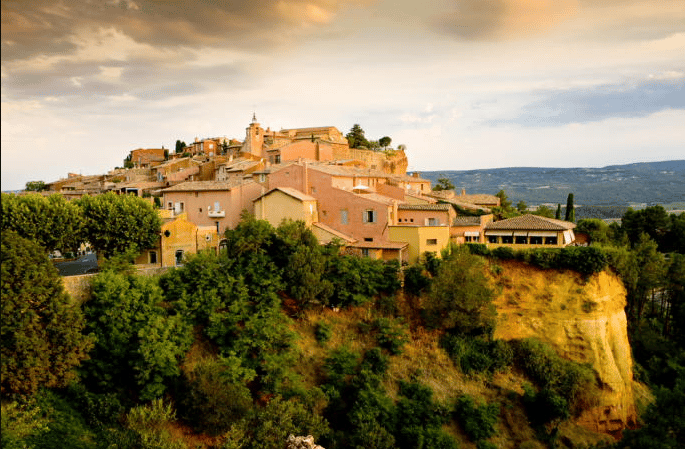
pixel 356 138
pixel 652 271
pixel 521 206
pixel 116 223
pixel 460 297
pixel 180 145
pixel 544 211
pixel 598 231
pixel 557 214
pixel 570 210
pixel 444 183
pixel 52 222
pixel 35 186
pixel 385 141
pixel 505 209
pixel 138 343
pixel 42 338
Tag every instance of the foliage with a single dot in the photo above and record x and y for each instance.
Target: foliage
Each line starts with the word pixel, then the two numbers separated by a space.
pixel 557 214
pixel 52 222
pixel 444 183
pixel 505 209
pixel 216 395
pixel 415 280
pixel 42 339
pixel 521 207
pixel 503 253
pixel 150 423
pixel 139 344
pixel 35 186
pixel 180 145
pixel 570 210
pixel 653 221
pixel 585 260
pixel 115 223
pixel 663 424
pixel 279 418
pixel 355 138
pixel 477 420
pixel 479 249
pixel 19 423
pixel 358 279
pixel 460 297
pixel 573 382
pixel 390 334
pixel 304 263
pixel 480 355
pixel 419 419
pixel 598 230
pixel 385 141
pixel 322 332
pixel 544 211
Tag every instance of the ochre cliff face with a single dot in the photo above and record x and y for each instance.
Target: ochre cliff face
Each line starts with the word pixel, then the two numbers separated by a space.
pixel 584 321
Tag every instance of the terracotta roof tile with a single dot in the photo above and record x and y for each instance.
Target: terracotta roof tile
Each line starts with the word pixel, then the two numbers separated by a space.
pixel 531 222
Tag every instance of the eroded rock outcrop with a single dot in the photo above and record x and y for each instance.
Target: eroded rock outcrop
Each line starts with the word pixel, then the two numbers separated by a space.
pixel 307 442
pixel 585 321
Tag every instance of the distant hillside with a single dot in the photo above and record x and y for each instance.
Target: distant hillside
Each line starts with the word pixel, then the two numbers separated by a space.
pixel 613 188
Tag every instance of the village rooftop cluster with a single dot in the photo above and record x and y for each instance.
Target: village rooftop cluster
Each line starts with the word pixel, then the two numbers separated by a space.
pixel 363 199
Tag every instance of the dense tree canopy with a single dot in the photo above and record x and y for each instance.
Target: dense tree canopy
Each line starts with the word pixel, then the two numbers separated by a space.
pixel 42 339
pixel 52 222
pixel 115 223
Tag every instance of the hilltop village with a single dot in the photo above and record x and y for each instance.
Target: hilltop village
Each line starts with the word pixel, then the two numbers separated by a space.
pixel 363 199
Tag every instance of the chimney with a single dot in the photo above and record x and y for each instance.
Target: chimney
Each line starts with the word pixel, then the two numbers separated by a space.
pixel 415 174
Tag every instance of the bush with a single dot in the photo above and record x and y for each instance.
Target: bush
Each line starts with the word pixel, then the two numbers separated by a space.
pixel 478 249
pixel 478 421
pixel 390 334
pixel 415 281
pixel 504 253
pixel 150 423
pixel 573 382
pixel 323 332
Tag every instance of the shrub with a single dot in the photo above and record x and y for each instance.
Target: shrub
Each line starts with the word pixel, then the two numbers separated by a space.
pixel 504 253
pixel 573 382
pixel 150 423
pixel 323 332
pixel 390 334
pixel 415 281
pixel 478 421
pixel 478 249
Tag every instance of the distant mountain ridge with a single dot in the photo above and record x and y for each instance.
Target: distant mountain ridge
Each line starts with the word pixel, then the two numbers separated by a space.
pixel 622 186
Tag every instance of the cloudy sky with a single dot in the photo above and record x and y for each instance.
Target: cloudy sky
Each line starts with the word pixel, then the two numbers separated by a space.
pixel 464 84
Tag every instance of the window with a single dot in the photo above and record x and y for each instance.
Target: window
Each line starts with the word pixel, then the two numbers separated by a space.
pixel 365 252
pixel 536 240
pixel 368 239
pixel 153 256
pixel 170 205
pixel 507 239
pixel 432 222
pixel 262 177
pixel 217 206
pixel 492 239
pixel 521 239
pixel 431 241
pixel 471 238
pixel 277 159
pixel 313 189
pixel 217 226
pixel 179 257
pixel 343 216
pixel 369 216
pixel 550 240
pixel 200 210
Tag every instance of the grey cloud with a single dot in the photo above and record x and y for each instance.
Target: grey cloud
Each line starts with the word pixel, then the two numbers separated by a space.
pixel 32 27
pixel 603 102
pixel 507 19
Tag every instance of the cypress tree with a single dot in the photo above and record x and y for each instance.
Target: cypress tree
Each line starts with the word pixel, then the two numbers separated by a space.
pixel 558 214
pixel 570 211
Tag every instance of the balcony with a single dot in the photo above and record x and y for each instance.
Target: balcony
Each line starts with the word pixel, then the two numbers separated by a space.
pixel 216 213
